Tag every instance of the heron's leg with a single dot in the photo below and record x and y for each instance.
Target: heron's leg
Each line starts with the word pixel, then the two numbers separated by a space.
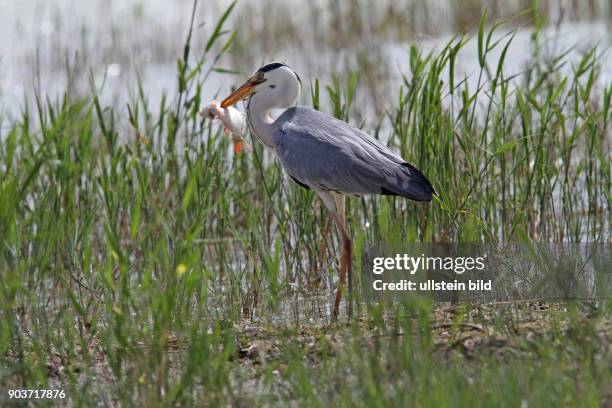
pixel 331 202
pixel 346 255
pixel 325 236
pixel 315 268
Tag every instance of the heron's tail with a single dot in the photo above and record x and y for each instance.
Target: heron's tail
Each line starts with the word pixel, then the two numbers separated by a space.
pixel 409 182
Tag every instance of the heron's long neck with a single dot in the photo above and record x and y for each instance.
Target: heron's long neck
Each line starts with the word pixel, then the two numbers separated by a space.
pixel 261 122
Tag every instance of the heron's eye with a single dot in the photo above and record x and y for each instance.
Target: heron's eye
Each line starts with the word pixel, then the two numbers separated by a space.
pixel 260 75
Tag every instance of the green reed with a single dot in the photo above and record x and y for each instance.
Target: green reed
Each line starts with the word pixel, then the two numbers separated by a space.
pixel 133 244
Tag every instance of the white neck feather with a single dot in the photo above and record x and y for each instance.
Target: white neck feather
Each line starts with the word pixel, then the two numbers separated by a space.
pixel 261 122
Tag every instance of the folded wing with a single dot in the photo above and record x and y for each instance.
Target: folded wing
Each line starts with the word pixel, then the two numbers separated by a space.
pixel 325 153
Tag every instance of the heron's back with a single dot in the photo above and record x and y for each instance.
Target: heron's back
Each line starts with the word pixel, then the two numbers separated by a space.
pixel 325 153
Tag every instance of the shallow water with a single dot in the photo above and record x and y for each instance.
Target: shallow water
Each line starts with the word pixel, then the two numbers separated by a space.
pixel 121 41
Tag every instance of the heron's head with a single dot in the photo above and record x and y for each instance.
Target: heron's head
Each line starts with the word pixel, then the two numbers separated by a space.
pixel 275 85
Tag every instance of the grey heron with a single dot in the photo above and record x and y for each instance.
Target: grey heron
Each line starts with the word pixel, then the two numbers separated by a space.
pixel 324 154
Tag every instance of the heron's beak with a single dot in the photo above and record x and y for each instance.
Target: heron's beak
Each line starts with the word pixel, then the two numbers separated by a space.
pixel 239 93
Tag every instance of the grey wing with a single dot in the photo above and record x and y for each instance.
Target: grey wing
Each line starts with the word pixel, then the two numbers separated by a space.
pixel 327 154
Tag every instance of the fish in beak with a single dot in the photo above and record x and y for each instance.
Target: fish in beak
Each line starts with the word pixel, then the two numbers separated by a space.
pixel 234 123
